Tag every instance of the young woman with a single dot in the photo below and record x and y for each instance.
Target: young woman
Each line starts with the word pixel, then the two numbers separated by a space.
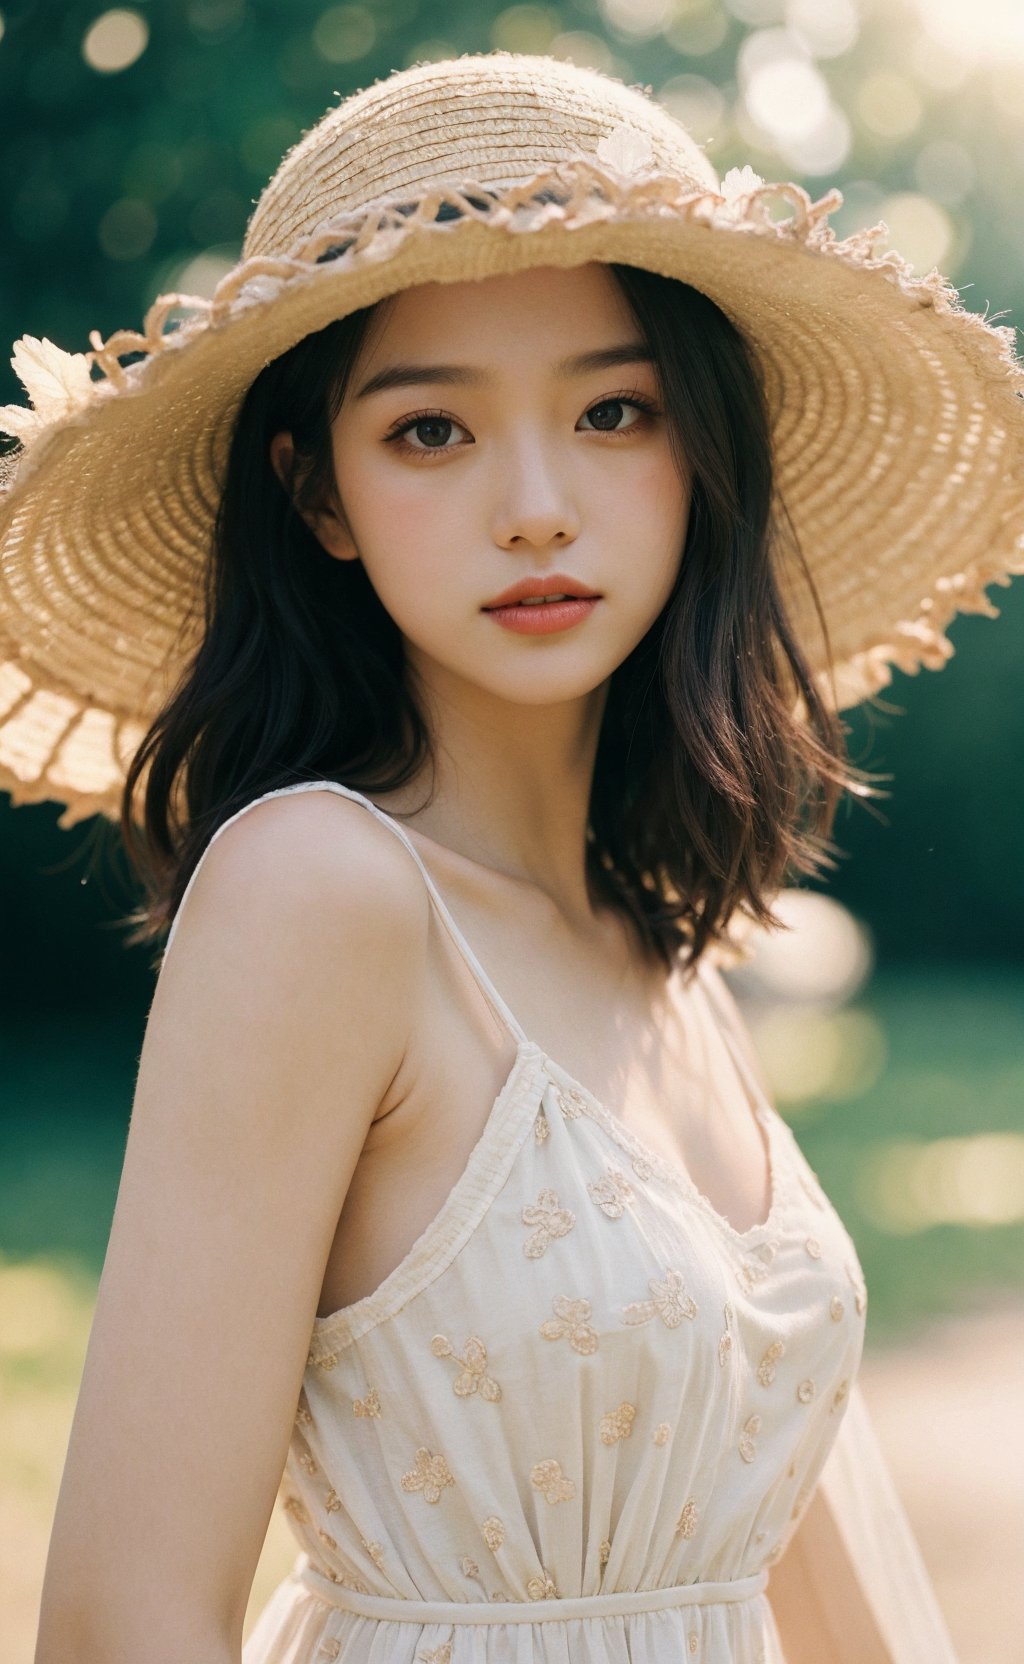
pixel 453 597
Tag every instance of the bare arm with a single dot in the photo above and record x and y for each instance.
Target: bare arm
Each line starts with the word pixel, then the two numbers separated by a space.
pixel 279 1021
pixel 852 1586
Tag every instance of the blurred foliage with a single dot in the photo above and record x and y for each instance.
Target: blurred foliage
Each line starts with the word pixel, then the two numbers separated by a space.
pixel 136 141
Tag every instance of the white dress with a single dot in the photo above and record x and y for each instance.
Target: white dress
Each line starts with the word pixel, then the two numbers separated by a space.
pixel 582 1418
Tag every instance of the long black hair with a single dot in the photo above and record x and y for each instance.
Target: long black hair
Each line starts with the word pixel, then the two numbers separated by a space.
pixel 719 768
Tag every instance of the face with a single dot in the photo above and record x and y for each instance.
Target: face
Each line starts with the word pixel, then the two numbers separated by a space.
pixel 490 458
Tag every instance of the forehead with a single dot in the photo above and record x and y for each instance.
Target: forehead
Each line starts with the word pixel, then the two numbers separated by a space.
pixel 545 311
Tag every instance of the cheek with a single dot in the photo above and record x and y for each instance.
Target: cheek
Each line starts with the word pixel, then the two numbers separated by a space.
pixel 411 538
pixel 402 524
pixel 656 511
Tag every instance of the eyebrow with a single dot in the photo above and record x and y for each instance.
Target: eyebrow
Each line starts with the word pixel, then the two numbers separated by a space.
pixel 580 364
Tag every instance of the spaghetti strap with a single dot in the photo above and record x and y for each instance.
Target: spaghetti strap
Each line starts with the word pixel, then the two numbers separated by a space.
pixel 720 996
pixel 480 976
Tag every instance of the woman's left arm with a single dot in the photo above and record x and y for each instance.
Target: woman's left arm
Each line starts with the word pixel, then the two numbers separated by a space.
pixel 852 1586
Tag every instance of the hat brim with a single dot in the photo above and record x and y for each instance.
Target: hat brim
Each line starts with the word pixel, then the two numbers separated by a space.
pixel 898 438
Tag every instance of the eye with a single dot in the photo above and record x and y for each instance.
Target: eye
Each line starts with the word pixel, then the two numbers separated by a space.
pixel 615 405
pixel 432 421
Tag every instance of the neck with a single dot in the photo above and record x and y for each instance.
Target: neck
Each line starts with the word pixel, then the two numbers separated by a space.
pixel 511 785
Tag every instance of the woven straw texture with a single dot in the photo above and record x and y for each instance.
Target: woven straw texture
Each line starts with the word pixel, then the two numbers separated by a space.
pixel 898 415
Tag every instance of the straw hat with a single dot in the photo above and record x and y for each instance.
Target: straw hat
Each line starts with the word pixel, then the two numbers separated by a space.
pixel 897 415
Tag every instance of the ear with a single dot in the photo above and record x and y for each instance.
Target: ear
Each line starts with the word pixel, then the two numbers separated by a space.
pixel 327 523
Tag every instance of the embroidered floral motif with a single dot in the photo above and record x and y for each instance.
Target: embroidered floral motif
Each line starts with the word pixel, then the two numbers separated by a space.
pixel 541 1129
pixel 839 1395
pixel 748 1449
pixel 322 1360
pixel 542 1588
pixel 295 1506
pixel 469 1567
pixel 352 1582
pixel 473 1375
pixel 493 1533
pixel 551 1221
pixel 306 1461
pixel 303 1417
pixel 725 1343
pixel 661 1433
pixel 329 1649
pixel 325 1537
pixel 686 1524
pixel 802 1497
pixel 548 1477
pixel 333 1501
pixel 603 1552
pixel 430 1475
pixel 748 1275
pixel 860 1296
pixel 438 1655
pixel 836 1308
pixel 572 1318
pixel 368 1406
pixel 754 1268
pixel 692 1641
pixel 669 1303
pixel 806 1390
pixel 611 1193
pixel 375 1552
pixel 766 1368
pixel 618 1424
pixel 572 1104
pixel 813 1247
pixel 642 1167
pixel 499 1594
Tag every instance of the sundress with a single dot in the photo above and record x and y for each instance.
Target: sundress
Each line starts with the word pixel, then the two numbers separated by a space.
pixel 581 1419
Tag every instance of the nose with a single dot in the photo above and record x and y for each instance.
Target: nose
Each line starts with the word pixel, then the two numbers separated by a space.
pixel 535 505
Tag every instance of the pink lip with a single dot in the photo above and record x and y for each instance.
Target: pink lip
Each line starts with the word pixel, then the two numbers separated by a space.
pixel 555 583
pixel 544 620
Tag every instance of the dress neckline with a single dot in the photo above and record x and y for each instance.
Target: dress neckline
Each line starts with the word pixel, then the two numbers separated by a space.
pixel 675 1172
pixel 511 1113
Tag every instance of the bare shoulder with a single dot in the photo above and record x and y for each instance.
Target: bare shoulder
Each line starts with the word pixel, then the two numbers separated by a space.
pixel 304 904
pixel 310 856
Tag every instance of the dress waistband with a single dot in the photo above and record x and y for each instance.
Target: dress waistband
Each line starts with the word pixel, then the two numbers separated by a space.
pixel 397 1609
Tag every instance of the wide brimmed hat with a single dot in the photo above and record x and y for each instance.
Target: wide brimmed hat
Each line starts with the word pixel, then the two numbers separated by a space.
pixel 897 415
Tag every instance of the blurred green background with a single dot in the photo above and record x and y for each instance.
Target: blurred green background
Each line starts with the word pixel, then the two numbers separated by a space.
pixel 135 143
